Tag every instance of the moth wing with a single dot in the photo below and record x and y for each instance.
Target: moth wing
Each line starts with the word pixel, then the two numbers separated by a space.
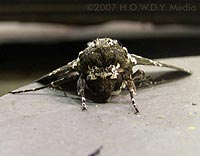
pixel 145 61
pixel 67 70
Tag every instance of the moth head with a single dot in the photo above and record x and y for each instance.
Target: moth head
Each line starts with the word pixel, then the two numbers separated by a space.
pixel 110 72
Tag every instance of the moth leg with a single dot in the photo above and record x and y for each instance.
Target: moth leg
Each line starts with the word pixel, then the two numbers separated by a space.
pixel 60 88
pixel 132 90
pixel 53 84
pixel 141 79
pixel 139 74
pixel 81 92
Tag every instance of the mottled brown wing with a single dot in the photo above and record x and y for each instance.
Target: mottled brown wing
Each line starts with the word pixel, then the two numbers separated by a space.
pixel 62 72
pixel 145 61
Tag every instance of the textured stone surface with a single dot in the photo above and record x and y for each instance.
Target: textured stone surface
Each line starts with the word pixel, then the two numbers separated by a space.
pixel 47 123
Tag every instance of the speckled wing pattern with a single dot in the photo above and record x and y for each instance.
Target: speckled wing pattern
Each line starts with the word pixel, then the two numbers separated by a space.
pixel 61 72
pixel 145 61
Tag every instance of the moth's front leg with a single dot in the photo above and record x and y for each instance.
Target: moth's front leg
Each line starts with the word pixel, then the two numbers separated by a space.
pixel 81 91
pixel 132 90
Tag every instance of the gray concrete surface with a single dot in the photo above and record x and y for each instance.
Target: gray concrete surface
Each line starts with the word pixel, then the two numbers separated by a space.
pixel 45 123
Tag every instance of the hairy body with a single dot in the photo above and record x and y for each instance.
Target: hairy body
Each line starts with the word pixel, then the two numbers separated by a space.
pixel 104 68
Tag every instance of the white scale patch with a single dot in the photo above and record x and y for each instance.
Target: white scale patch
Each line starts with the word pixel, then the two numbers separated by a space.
pixel 132 59
pixel 54 72
pixel 95 72
pixel 156 63
pixel 105 42
pixel 74 64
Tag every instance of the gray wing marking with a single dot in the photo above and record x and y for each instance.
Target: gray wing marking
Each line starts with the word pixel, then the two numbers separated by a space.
pixel 145 61
pixel 64 71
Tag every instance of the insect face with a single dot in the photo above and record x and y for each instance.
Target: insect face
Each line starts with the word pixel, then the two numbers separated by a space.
pixel 95 72
pixel 104 87
pixel 103 81
pixel 101 65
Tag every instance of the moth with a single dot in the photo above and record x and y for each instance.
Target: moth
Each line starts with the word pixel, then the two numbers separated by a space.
pixel 102 69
